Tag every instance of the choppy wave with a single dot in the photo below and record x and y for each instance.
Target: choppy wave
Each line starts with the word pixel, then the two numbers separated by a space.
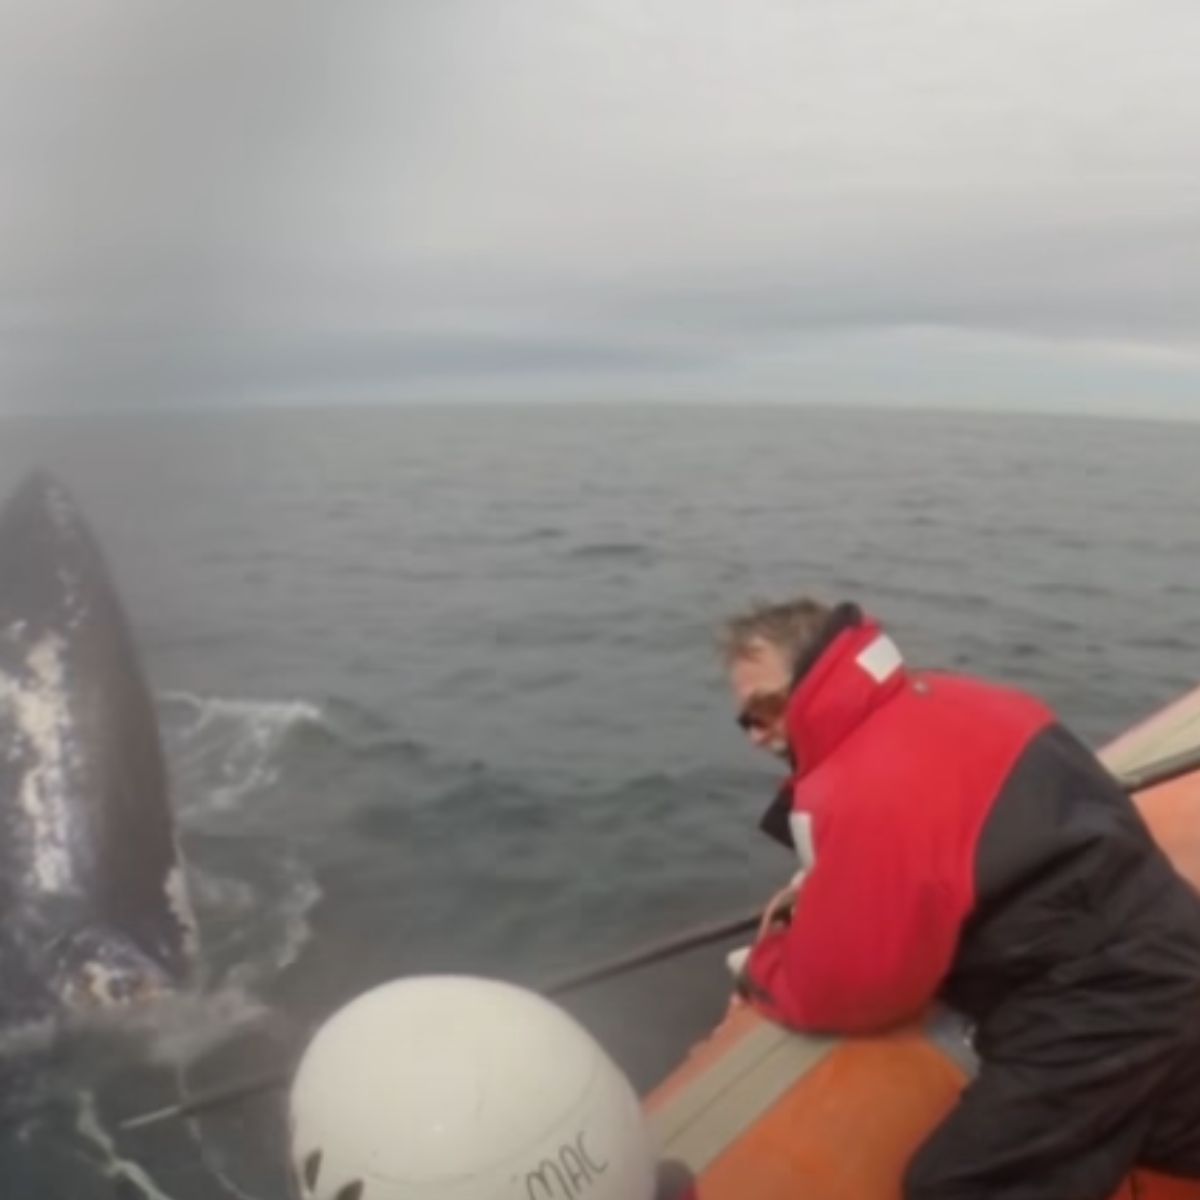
pixel 174 1029
pixel 240 741
pixel 66 1066
pixel 251 889
pixel 289 918
pixel 274 713
pixel 110 1163
pixel 612 550
pixel 179 1029
pixel 233 745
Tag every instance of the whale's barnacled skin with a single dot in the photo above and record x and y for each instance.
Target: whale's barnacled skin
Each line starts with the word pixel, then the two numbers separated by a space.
pixel 93 906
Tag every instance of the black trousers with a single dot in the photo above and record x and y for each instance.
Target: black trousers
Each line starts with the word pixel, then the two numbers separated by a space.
pixel 1069 1127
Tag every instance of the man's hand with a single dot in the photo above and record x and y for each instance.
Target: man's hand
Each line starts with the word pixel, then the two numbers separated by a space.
pixel 778 910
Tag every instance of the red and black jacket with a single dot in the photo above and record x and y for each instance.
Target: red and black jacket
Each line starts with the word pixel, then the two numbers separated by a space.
pixel 955 841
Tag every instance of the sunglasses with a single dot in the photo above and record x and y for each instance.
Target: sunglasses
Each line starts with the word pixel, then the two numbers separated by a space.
pixel 762 711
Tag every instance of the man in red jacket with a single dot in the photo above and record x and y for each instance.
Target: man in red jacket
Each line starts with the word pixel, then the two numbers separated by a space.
pixel 956 842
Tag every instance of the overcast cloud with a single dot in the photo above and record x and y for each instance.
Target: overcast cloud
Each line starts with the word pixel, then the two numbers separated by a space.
pixel 993 202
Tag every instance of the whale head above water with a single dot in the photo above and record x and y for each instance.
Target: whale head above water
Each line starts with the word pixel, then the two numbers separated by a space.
pixel 94 911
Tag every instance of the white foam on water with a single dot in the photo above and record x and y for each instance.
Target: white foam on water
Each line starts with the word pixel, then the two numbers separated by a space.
pixel 294 910
pixel 179 902
pixel 195 1132
pixel 276 715
pixel 283 920
pixel 27 1037
pixel 111 1164
pixel 174 1032
pixel 243 738
pixel 176 1028
pixel 297 926
pixel 171 1033
pixel 224 893
pixel 225 799
pixel 114 1166
pixel 280 918
pixel 228 751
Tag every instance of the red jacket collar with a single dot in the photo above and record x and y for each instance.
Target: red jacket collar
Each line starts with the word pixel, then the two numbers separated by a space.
pixel 856 673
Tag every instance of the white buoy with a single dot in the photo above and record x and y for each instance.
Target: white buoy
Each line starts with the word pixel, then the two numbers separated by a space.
pixel 460 1088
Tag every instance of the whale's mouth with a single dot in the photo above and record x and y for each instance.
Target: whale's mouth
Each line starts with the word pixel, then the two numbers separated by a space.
pixel 101 969
pixel 98 985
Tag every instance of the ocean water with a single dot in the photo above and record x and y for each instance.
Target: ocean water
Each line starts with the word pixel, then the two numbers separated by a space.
pixel 439 692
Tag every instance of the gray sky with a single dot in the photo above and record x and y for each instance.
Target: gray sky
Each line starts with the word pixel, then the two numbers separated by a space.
pixel 986 203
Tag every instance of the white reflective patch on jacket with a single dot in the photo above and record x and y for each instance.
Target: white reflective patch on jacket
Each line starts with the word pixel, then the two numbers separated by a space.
pixel 880 659
pixel 806 847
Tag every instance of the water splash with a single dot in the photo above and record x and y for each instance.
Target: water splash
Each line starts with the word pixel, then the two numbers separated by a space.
pixel 234 746
pixel 110 1162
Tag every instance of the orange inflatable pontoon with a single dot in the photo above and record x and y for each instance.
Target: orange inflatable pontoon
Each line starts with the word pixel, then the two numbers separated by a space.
pixel 758 1112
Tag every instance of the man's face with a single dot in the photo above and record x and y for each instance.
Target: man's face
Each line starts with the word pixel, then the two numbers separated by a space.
pixel 760 680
